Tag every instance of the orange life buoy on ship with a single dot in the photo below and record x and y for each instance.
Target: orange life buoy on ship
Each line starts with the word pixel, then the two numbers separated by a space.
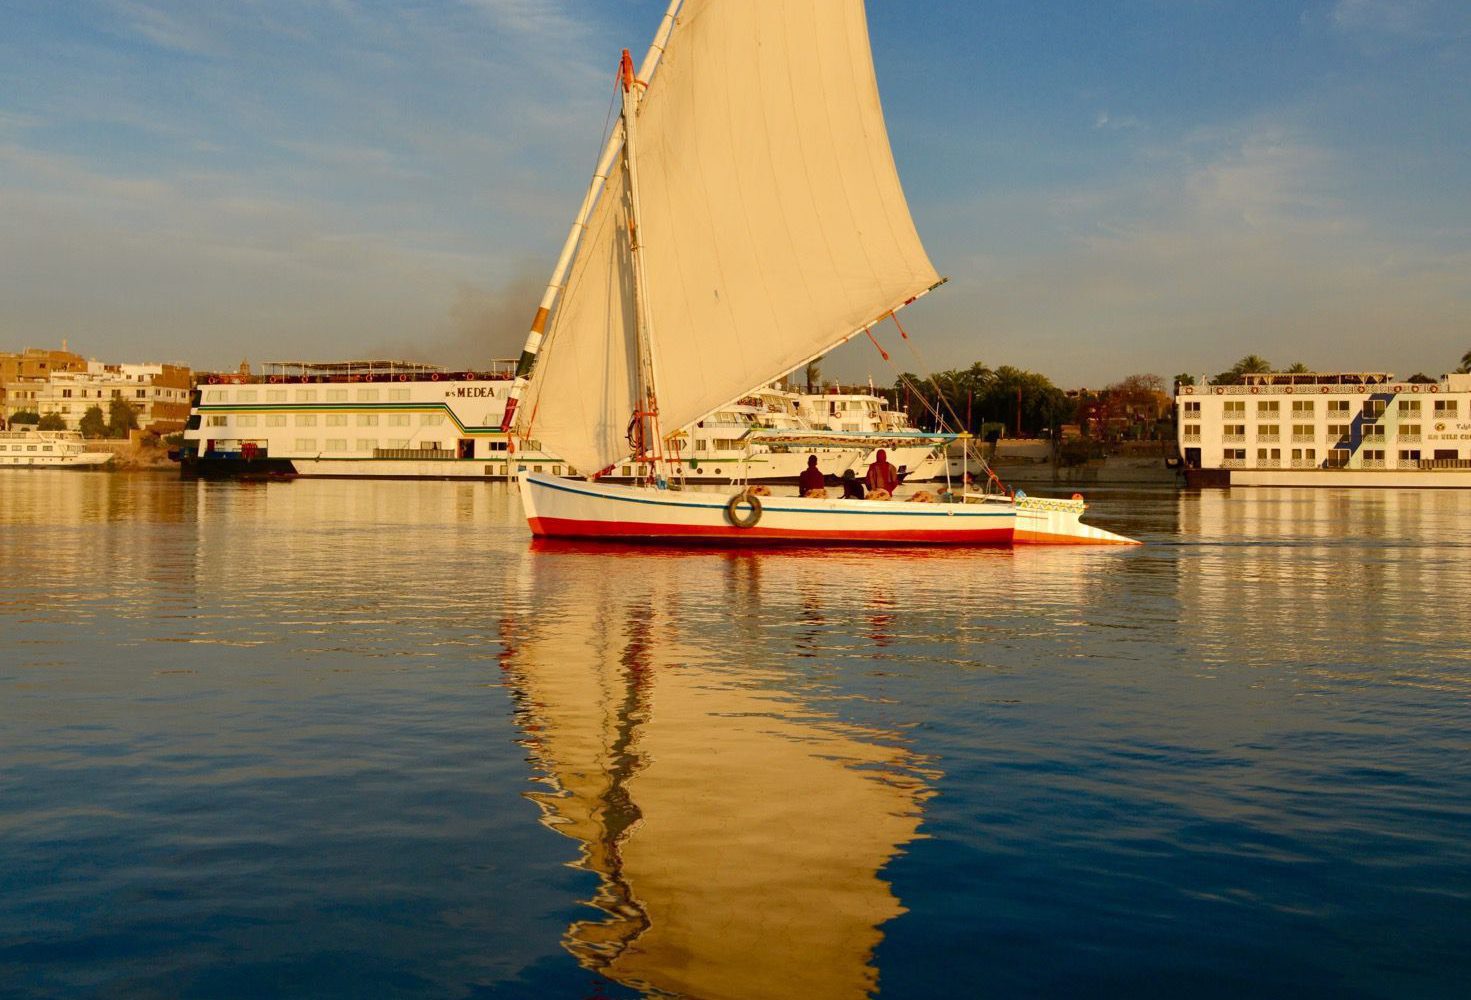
pixel 1434 388
pixel 1220 391
pixel 1255 390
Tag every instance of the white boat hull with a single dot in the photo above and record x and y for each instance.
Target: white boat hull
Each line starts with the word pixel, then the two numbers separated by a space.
pixel 567 508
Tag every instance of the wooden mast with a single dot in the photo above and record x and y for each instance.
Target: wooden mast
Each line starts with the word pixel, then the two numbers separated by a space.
pixel 527 361
pixel 648 447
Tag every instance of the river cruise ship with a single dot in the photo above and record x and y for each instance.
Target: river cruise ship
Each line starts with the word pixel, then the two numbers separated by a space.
pixel 1357 429
pixel 29 448
pixel 405 420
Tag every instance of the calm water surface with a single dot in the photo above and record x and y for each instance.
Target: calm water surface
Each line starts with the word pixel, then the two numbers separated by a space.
pixel 341 739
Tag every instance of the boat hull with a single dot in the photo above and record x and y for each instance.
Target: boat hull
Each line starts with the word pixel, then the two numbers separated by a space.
pixel 564 508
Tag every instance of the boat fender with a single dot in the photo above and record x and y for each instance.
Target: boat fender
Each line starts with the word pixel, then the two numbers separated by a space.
pixel 748 519
pixel 1077 496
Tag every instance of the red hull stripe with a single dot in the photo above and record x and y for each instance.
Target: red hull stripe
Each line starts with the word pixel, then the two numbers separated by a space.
pixel 559 527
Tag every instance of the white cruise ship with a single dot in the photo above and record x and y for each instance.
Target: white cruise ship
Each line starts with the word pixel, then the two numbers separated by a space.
pixel 397 419
pixel 36 449
pixel 1327 429
pixel 868 414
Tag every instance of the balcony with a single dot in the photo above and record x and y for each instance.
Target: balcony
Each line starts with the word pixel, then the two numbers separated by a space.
pixel 1409 439
pixel 1234 438
pixel 1304 438
pixel 1304 463
pixel 1374 463
pixel 1233 463
pixel 1191 436
pixel 1270 438
pixel 1269 463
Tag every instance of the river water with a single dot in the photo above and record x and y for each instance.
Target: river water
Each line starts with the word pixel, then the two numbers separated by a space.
pixel 342 739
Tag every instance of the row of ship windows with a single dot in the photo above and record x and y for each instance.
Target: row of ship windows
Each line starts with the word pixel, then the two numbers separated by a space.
pixel 1337 457
pixel 1306 430
pixel 328 419
pixel 25 447
pixel 1308 407
pixel 394 394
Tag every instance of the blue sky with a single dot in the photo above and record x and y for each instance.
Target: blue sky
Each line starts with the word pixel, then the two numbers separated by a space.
pixel 1112 187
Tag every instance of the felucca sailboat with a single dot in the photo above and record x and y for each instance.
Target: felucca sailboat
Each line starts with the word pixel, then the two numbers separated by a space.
pixel 745 218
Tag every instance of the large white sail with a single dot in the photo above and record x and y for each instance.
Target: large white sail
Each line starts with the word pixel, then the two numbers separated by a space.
pixel 772 219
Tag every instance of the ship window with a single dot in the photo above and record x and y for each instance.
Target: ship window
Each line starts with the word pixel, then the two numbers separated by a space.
pixel 1302 407
pixel 1193 406
pixel 306 395
pixel 1373 408
pixel 430 419
pixel 245 420
pixel 398 420
pixel 1237 453
pixel 1338 430
pixel 245 396
pixel 212 396
pixel 536 468
pixel 399 443
pixel 275 420
pixel 216 420
pixel 1374 431
pixel 367 420
pixel 336 395
pixel 30 447
pixel 1311 454
pixel 1266 406
pixel 1269 430
pixel 337 420
pixel 1408 429
pixel 398 394
pixel 1442 454
pixel 1409 406
pixel 367 395
pixel 1409 455
pixel 1306 429
pixel 497 445
pixel 1445 407
pixel 1374 455
pixel 367 444
pixel 1337 458
pixel 306 420
pixel 1192 430
pixel 1235 429
pixel 1338 407
pixel 337 444
pixel 141 393
pixel 306 444
pixel 275 395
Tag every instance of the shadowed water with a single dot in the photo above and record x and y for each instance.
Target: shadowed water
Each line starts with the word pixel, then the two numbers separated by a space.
pixel 348 739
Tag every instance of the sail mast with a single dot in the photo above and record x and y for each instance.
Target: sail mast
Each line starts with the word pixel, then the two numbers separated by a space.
pixel 579 225
pixel 647 445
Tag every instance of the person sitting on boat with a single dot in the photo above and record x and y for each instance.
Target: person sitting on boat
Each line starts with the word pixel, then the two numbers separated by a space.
pixel 882 475
pixel 811 478
pixel 852 488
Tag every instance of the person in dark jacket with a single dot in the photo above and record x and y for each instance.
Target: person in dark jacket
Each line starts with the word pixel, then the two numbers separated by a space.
pixel 811 477
pixel 852 488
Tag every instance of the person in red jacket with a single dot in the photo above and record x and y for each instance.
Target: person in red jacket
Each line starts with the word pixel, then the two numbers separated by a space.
pixel 882 475
pixel 811 477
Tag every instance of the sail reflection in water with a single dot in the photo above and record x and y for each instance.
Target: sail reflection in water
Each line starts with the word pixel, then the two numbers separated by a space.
pixel 738 834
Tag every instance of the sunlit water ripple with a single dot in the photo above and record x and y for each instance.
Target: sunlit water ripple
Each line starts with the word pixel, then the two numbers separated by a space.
pixel 365 739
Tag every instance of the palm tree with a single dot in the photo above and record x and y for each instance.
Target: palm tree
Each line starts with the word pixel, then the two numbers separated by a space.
pixel 813 373
pixel 1465 364
pixel 1298 368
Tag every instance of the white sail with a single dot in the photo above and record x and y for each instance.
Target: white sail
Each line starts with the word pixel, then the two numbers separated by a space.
pixel 772 219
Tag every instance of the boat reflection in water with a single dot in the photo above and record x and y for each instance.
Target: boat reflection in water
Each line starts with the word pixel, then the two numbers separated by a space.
pixel 738 833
